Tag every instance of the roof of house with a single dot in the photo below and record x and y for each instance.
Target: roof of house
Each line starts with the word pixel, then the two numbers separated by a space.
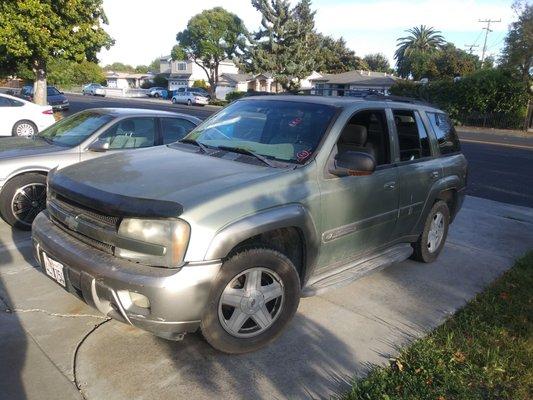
pixel 125 75
pixel 237 77
pixel 364 78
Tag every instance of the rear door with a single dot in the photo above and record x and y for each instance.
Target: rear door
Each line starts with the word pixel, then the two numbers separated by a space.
pixel 7 116
pixel 418 167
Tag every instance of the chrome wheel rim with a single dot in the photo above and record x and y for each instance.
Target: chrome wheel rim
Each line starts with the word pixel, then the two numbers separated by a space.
pixel 251 302
pixel 436 232
pixel 28 201
pixel 24 129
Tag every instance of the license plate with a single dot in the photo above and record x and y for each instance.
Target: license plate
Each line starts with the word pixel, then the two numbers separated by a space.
pixel 54 270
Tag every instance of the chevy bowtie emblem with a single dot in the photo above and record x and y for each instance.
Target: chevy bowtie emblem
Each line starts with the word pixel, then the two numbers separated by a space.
pixel 72 222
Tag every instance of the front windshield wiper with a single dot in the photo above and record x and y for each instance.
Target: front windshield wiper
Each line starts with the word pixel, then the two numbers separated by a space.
pixel 270 163
pixel 202 146
pixel 47 140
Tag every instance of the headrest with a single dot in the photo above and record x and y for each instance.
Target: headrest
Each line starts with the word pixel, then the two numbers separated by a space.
pixel 354 135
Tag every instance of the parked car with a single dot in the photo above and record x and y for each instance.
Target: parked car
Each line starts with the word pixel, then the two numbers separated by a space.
pixel 54 97
pixel 157 92
pixel 93 89
pixel 201 91
pixel 19 117
pixel 189 98
pixel 273 198
pixel 25 162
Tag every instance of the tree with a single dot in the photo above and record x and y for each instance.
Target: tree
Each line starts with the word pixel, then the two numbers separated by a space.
pixel 68 73
pixel 285 43
pixel 377 62
pixel 333 56
pixel 211 37
pixel 517 52
pixel 119 67
pixel 34 32
pixel 415 50
pixel 450 62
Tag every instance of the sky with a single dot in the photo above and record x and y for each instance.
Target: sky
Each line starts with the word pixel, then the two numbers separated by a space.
pixel 146 29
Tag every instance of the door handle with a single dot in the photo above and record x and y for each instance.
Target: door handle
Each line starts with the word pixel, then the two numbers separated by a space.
pixel 434 174
pixel 389 186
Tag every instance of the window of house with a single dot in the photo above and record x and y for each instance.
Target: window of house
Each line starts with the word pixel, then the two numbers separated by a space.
pixel 181 66
pixel 367 131
pixel 445 132
pixel 412 135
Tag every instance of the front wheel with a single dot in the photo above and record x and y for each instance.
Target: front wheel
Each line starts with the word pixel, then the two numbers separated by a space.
pixel 22 198
pixel 255 295
pixel 156 95
pixel 189 102
pixel 24 128
pixel 174 101
pixel 433 237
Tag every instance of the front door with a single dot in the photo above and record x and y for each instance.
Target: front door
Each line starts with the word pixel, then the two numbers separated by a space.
pixel 359 212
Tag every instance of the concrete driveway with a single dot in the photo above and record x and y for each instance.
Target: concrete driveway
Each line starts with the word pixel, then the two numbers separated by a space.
pixel 53 346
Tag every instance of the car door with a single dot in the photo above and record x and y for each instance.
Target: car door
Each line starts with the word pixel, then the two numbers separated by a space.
pixel 8 113
pixel 418 167
pixel 174 129
pixel 127 134
pixel 359 212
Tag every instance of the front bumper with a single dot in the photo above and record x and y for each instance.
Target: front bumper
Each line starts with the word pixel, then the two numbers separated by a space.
pixel 177 297
pixel 59 107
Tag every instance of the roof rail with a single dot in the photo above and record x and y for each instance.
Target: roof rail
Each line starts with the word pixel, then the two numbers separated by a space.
pixel 400 99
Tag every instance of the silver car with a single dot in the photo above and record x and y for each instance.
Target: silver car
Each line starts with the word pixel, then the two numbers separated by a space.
pixel 190 98
pixel 25 162
pixel 93 89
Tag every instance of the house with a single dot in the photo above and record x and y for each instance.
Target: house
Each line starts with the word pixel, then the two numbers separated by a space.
pixel 352 83
pixel 183 73
pixel 125 80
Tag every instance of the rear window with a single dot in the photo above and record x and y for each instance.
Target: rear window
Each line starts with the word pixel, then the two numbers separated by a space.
pixel 446 136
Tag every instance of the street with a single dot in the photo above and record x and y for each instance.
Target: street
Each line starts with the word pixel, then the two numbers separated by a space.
pixel 500 167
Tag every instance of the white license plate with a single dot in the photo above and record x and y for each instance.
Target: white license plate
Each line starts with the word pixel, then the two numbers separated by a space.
pixel 54 269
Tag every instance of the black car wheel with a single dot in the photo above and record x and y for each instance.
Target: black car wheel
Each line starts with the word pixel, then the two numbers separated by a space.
pixel 156 95
pixel 22 198
pixel 256 293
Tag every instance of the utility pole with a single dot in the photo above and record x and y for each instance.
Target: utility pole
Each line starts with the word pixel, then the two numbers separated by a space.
pixel 487 30
pixel 471 47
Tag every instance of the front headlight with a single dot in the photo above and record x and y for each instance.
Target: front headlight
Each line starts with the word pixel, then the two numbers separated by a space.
pixel 171 234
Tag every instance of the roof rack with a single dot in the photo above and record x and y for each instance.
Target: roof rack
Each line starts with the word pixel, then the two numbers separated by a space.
pixel 400 99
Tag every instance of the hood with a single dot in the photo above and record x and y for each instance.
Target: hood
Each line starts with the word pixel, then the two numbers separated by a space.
pixel 12 147
pixel 159 182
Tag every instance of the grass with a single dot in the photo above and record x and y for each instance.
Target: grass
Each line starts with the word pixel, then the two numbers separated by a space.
pixel 485 351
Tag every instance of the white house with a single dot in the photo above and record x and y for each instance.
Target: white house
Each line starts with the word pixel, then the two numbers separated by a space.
pixel 352 83
pixel 183 73
pixel 124 80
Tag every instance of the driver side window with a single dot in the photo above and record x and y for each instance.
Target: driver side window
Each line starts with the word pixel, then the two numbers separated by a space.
pixel 130 133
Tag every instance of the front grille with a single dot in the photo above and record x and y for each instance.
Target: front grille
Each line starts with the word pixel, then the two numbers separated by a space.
pixel 87 214
pixel 62 210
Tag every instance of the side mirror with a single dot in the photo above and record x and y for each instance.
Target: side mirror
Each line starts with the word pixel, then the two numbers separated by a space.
pixel 353 163
pixel 99 145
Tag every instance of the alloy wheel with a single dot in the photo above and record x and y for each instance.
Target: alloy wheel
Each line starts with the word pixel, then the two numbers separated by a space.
pixel 24 129
pixel 28 201
pixel 251 302
pixel 436 232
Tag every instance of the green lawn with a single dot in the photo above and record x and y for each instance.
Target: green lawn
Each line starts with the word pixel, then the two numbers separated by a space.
pixel 485 351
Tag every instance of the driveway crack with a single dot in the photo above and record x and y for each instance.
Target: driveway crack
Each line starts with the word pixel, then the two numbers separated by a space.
pixel 29 310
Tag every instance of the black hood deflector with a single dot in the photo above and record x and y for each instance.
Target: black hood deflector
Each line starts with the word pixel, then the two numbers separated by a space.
pixel 112 204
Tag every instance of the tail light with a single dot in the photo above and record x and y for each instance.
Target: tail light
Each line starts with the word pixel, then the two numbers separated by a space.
pixel 48 112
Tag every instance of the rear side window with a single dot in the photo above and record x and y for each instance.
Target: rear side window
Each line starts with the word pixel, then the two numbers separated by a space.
pixel 446 136
pixel 174 129
pixel 412 135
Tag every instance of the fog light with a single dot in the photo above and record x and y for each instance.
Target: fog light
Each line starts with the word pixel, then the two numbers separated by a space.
pixel 139 300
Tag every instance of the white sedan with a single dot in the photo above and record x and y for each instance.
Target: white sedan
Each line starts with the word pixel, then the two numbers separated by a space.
pixel 190 98
pixel 19 117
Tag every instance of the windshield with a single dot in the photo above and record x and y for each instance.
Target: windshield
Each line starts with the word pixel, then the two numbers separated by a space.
pixel 284 130
pixel 73 130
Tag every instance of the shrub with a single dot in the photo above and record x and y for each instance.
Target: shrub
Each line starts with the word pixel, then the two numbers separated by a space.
pixel 489 97
pixel 200 83
pixel 232 96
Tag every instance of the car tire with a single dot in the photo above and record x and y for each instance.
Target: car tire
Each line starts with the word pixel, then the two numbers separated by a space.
pixel 173 100
pixel 189 102
pixel 156 95
pixel 433 237
pixel 24 128
pixel 11 200
pixel 259 265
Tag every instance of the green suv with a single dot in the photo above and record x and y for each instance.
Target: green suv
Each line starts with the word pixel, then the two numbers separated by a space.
pixel 271 199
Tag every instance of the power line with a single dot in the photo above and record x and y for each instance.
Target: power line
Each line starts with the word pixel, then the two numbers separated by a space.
pixel 471 47
pixel 487 30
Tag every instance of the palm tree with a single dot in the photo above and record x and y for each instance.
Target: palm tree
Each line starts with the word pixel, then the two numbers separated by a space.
pixel 422 40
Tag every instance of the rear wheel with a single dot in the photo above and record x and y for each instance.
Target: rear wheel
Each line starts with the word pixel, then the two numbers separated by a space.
pixel 22 198
pixel 255 295
pixel 24 128
pixel 156 95
pixel 189 102
pixel 174 101
pixel 433 237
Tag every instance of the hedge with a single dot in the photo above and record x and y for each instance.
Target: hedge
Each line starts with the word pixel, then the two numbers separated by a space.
pixel 491 97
